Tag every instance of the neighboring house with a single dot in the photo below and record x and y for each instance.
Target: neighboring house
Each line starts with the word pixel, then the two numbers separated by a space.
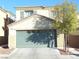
pixel 5 18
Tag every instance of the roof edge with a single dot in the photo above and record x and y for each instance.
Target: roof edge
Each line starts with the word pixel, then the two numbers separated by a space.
pixel 6 11
pixel 28 17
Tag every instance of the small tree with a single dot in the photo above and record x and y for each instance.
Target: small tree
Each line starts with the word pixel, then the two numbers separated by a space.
pixel 66 19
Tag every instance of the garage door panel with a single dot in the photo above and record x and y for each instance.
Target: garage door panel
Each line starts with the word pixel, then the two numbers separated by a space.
pixel 33 39
pixel 37 37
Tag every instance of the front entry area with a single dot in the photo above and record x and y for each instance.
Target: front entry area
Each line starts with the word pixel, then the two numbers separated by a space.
pixel 35 38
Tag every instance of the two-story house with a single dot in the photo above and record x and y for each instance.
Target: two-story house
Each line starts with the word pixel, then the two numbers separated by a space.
pixel 33 28
pixel 5 19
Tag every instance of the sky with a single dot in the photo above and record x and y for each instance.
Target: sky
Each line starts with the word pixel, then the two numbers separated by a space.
pixel 11 4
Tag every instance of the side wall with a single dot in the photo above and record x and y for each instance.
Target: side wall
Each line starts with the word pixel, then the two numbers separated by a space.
pixel 12 38
pixel 60 41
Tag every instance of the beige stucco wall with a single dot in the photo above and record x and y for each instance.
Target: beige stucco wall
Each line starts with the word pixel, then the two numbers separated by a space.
pixel 2 16
pixel 60 41
pixel 43 12
pixel 12 38
pixel 78 16
pixel 32 23
pixel 18 14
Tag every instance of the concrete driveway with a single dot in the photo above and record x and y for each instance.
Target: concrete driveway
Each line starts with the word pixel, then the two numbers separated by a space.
pixel 38 53
pixel 34 53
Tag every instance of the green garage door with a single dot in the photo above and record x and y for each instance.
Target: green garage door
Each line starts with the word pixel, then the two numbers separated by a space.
pixel 35 39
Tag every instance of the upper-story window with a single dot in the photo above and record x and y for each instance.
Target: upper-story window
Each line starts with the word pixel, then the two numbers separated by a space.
pixel 53 14
pixel 28 13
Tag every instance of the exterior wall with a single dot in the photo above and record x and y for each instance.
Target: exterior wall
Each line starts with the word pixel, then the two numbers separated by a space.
pixel 78 16
pixel 43 12
pixel 2 16
pixel 18 14
pixel 12 38
pixel 34 23
pixel 60 41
